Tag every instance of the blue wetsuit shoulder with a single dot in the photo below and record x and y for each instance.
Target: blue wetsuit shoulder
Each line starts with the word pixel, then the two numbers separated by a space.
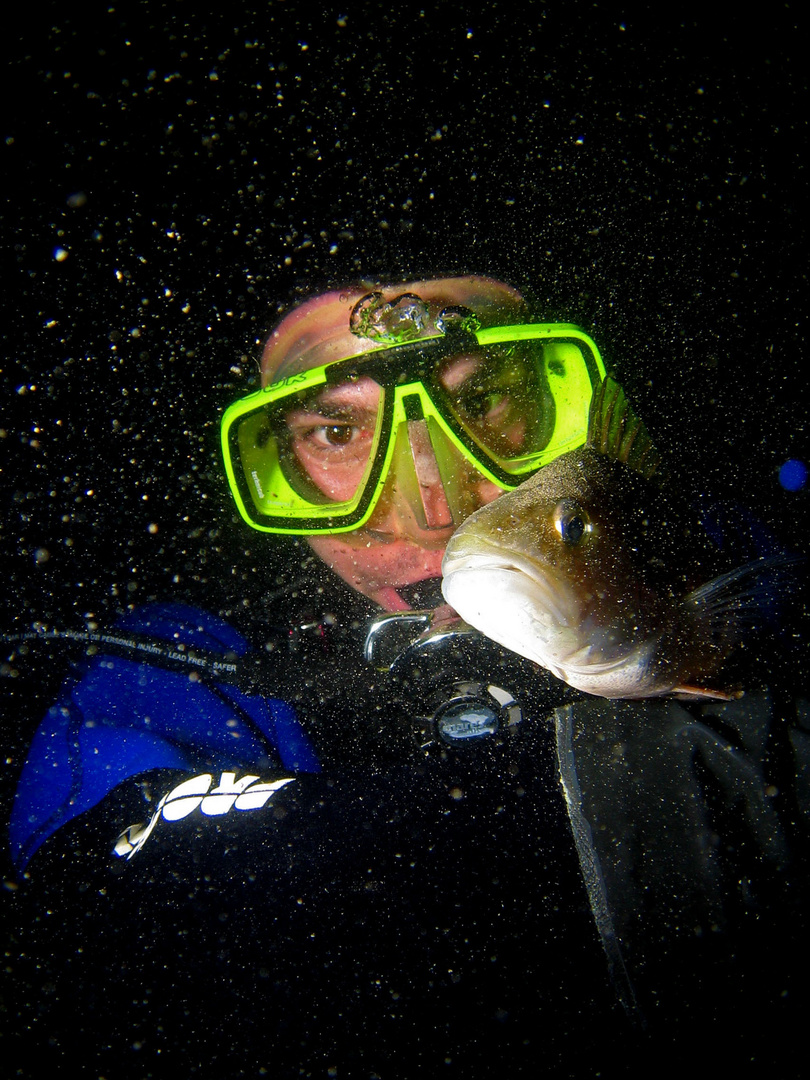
pixel 120 718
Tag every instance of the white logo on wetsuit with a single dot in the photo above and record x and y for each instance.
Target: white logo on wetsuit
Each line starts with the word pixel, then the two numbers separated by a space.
pixel 246 793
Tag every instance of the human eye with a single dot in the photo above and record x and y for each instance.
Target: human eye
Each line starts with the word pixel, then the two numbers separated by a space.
pixel 485 404
pixel 490 399
pixel 330 432
pixel 486 386
pixel 498 402
pixel 331 435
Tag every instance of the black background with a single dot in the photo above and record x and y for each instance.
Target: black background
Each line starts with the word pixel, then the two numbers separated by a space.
pixel 637 169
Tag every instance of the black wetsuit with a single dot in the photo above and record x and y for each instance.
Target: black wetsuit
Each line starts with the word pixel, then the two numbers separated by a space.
pixel 287 867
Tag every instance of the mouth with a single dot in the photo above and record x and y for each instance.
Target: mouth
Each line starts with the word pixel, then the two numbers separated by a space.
pixel 428 540
pixel 422 594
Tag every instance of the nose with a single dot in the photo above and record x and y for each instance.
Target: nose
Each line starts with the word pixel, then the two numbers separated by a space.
pixel 433 506
pixel 413 501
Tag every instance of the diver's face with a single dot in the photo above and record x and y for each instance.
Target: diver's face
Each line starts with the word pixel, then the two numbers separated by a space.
pixel 404 540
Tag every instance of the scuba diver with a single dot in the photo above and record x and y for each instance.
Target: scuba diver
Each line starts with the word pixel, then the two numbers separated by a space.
pixel 363 839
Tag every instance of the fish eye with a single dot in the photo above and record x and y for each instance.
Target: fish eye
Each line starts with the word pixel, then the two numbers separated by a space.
pixel 571 522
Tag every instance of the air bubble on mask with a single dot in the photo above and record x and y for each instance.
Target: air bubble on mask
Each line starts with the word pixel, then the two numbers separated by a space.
pixel 402 319
pixel 458 320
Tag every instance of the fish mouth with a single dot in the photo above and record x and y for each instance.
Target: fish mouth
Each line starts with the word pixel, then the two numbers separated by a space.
pixel 513 600
pixel 526 607
pixel 552 594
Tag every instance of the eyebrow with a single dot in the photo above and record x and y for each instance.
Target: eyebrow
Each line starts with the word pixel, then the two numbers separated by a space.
pixel 341 399
pixel 459 369
pixel 328 411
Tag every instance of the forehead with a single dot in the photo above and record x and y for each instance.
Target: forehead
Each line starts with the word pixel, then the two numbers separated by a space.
pixel 452 372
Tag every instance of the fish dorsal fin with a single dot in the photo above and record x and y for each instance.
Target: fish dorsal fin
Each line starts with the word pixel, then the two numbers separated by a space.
pixel 615 431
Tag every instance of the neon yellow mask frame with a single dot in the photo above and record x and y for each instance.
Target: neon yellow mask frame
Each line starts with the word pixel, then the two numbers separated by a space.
pixel 270 498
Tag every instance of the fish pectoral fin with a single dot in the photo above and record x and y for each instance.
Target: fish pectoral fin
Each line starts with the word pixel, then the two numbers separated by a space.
pixel 695 693
pixel 747 594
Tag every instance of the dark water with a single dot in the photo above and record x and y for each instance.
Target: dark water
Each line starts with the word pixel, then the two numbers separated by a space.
pixel 177 177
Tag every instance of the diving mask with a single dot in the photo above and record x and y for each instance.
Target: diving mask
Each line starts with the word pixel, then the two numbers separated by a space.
pixel 311 452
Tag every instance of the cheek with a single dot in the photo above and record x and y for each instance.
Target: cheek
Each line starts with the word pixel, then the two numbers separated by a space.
pixel 355 562
pixel 489 492
pixel 328 548
pixel 337 472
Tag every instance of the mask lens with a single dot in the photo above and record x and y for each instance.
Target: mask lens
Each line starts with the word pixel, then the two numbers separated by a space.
pixel 312 452
pixel 329 438
pixel 499 397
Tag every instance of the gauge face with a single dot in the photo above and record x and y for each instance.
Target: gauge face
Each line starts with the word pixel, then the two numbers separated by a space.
pixel 464 720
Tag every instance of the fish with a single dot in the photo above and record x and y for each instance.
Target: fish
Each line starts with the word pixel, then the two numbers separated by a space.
pixel 599 570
